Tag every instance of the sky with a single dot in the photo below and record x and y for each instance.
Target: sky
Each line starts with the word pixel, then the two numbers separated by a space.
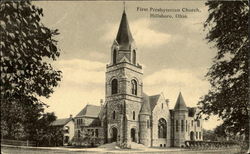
pixel 173 51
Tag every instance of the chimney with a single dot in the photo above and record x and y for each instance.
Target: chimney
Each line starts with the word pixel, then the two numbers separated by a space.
pixel 101 102
pixel 167 101
pixel 70 116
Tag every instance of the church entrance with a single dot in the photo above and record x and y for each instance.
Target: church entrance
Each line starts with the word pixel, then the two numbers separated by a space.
pixel 114 134
pixel 133 139
pixel 192 136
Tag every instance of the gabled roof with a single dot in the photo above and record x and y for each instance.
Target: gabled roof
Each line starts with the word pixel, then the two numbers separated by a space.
pixel 61 122
pixel 145 109
pixel 153 101
pixel 124 37
pixel 180 103
pixel 89 111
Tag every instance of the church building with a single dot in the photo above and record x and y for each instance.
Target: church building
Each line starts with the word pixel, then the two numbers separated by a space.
pixel 128 114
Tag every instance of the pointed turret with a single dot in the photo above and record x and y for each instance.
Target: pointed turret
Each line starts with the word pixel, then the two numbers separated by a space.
pixel 124 37
pixel 180 104
pixel 145 109
pixel 145 121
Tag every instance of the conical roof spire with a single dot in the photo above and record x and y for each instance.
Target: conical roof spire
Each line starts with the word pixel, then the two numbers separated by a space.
pixel 180 103
pixel 124 37
pixel 145 109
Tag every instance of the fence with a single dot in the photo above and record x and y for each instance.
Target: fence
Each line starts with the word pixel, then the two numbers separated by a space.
pixel 18 143
pixel 208 144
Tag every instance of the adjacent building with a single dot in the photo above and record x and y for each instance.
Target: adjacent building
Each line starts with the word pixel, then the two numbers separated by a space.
pixel 68 128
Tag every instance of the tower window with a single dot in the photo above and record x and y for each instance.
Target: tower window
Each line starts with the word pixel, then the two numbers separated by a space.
pixel 134 87
pixel 114 115
pixel 134 57
pixel 192 123
pixel 114 56
pixel 114 86
pixel 177 126
pixel 186 125
pixel 198 123
pixel 148 124
pixel 133 115
pixel 182 125
pixel 162 105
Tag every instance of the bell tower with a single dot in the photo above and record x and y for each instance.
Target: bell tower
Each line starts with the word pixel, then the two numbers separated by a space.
pixel 123 88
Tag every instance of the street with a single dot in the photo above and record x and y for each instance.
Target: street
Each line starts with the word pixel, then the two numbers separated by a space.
pixel 14 150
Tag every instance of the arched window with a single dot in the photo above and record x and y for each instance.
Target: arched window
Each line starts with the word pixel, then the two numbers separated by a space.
pixel 96 132
pixel 134 57
pixel 114 86
pixel 133 115
pixel 114 56
pixel 198 123
pixel 114 115
pixel 162 128
pixel 134 87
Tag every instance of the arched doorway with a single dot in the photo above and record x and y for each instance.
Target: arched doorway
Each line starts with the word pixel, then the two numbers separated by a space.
pixel 192 136
pixel 133 138
pixel 114 134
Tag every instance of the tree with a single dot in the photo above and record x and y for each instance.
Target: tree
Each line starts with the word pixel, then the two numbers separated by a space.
pixel 26 48
pixel 220 131
pixel 86 137
pixel 227 26
pixel 209 135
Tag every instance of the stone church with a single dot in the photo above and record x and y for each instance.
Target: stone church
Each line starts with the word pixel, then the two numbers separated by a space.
pixel 128 114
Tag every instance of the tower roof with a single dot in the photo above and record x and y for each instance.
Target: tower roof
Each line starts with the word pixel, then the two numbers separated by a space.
pixel 145 109
pixel 180 103
pixel 124 37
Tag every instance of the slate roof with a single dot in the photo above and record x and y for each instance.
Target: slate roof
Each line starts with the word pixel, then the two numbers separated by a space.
pixel 153 101
pixel 61 122
pixel 145 109
pixel 180 103
pixel 95 123
pixel 89 111
pixel 124 37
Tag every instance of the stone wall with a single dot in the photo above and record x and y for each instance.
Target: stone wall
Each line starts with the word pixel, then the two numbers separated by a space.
pixel 181 135
pixel 145 129
pixel 159 113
